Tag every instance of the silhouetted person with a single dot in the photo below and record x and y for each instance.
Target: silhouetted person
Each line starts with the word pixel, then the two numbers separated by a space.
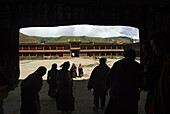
pixel 80 69
pixel 161 101
pixel 73 70
pixel 64 98
pixel 51 80
pixel 97 82
pixel 30 88
pixel 151 71
pixel 123 81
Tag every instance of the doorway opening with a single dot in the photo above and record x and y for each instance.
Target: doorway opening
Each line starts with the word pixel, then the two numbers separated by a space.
pixel 75 53
pixel 80 42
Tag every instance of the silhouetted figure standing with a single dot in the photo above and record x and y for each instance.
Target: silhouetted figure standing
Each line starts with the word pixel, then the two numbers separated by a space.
pixel 64 98
pixel 51 80
pixel 97 81
pixel 123 81
pixel 161 101
pixel 151 71
pixel 80 69
pixel 73 70
pixel 30 88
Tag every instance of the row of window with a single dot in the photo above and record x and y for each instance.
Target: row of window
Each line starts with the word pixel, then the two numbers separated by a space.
pixel 41 48
pixel 61 54
pixel 61 48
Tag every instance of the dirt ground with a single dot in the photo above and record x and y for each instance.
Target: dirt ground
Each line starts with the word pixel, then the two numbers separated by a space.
pixel 29 66
pixel 83 97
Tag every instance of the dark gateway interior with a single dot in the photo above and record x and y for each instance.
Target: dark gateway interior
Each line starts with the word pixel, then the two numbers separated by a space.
pixel 148 16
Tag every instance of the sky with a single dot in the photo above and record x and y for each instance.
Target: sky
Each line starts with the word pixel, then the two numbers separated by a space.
pixel 82 30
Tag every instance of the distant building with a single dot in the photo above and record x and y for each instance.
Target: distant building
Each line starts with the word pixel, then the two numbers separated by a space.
pixel 72 49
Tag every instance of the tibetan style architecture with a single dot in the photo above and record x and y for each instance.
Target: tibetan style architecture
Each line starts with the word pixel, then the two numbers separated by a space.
pixel 149 16
pixel 72 49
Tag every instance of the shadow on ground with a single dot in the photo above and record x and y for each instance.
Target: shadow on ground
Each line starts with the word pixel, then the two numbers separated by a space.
pixel 83 100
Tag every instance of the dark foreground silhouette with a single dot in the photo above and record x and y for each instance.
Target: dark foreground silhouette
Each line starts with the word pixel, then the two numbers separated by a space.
pixel 124 80
pixel 97 82
pixel 30 88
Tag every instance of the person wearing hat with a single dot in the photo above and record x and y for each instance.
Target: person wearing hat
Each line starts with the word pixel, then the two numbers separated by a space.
pixel 64 83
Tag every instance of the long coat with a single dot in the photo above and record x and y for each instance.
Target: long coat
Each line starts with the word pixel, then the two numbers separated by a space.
pixel 98 78
pixel 30 88
pixel 51 80
pixel 64 98
pixel 123 81
pixel 51 77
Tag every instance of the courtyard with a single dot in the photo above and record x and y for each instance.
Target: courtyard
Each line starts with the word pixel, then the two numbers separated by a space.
pixel 83 97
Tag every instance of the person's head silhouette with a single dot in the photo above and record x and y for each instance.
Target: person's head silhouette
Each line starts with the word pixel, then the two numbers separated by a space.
pixel 160 44
pixel 41 70
pixel 54 66
pixel 130 54
pixel 102 60
pixel 65 65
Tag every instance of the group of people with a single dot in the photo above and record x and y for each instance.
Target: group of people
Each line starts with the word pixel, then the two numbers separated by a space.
pixel 123 82
pixel 74 70
pixel 127 78
pixel 60 88
pixel 52 73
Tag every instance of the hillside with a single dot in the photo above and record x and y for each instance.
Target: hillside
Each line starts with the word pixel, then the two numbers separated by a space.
pixel 81 38
pixel 31 39
pixel 26 39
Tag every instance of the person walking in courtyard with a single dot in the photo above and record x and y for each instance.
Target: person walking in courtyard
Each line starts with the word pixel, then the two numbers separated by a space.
pixel 64 97
pixel 124 80
pixel 97 82
pixel 73 71
pixel 51 80
pixel 80 69
pixel 30 88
